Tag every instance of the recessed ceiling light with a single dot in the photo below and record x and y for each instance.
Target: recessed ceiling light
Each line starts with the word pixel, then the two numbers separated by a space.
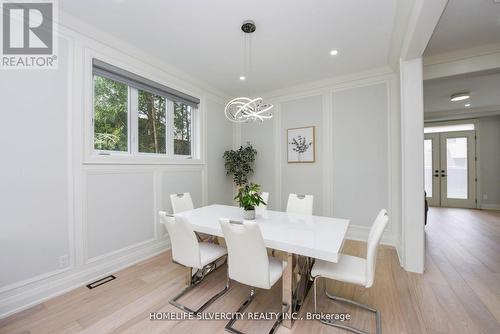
pixel 460 97
pixel 467 105
pixel 242 78
pixel 334 52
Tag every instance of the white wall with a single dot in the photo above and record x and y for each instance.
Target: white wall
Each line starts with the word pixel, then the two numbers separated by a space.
pixel 360 153
pixel 356 172
pixel 220 139
pixel 34 173
pixel 489 164
pixel 56 202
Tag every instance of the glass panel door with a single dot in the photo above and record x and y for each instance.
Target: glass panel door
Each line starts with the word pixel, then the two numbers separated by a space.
pixel 456 162
pixel 431 169
pixel 457 171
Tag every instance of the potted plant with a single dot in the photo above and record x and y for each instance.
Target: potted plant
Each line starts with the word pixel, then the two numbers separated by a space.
pixel 238 163
pixel 249 197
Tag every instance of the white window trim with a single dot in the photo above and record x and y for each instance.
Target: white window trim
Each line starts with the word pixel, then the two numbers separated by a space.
pixel 132 156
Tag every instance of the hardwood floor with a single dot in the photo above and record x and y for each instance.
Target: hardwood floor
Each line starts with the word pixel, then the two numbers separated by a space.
pixel 459 293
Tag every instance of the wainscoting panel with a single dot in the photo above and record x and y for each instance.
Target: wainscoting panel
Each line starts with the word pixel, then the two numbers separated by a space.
pixel 119 210
pixel 360 153
pixel 174 181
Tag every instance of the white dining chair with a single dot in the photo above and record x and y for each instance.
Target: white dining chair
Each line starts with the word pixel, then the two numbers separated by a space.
pixel 354 270
pixel 189 252
pixel 302 204
pixel 248 262
pixel 181 202
pixel 265 197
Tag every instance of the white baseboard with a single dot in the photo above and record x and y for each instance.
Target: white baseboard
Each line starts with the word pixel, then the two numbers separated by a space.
pixel 490 206
pixel 400 254
pixel 360 233
pixel 24 297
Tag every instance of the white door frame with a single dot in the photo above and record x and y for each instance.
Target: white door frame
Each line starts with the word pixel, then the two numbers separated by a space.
pixel 423 20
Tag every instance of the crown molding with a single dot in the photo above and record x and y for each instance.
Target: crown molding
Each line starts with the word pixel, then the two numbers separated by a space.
pixel 478 59
pixel 451 56
pixel 462 113
pixel 316 86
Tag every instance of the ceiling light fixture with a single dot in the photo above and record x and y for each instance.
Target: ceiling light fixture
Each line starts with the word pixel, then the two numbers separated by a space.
pixel 334 52
pixel 244 109
pixel 460 97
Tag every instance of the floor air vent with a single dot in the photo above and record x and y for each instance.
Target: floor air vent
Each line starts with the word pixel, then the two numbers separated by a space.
pixel 101 281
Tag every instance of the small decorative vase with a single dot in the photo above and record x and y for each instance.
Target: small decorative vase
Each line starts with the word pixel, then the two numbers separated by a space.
pixel 249 214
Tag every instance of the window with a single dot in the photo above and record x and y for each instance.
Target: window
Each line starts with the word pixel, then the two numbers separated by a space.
pixel 110 115
pixel 448 128
pixel 135 116
pixel 152 120
pixel 182 129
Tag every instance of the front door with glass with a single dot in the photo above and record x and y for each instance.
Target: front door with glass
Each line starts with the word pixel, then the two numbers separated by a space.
pixel 450 169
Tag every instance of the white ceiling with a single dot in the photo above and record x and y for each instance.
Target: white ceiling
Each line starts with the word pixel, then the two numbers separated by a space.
pixel 484 89
pixel 291 44
pixel 466 24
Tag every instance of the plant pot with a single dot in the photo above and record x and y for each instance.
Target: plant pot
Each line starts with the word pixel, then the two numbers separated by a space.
pixel 249 214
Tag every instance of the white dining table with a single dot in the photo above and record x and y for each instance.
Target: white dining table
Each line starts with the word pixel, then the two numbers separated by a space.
pixel 294 234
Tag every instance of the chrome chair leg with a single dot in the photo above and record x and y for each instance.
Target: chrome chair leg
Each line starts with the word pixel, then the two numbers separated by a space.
pixel 338 324
pixel 229 326
pixel 315 284
pixel 194 282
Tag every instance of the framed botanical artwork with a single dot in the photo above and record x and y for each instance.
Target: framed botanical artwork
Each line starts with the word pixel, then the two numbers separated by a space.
pixel 301 144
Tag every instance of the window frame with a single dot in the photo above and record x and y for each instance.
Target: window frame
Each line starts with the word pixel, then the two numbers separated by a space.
pixel 132 155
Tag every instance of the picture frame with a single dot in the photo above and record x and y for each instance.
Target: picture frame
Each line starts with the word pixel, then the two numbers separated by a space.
pixel 301 144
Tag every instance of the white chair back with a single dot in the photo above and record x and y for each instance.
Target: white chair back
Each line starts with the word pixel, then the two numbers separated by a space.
pixel 247 256
pixel 181 202
pixel 374 237
pixel 302 204
pixel 265 198
pixel 185 247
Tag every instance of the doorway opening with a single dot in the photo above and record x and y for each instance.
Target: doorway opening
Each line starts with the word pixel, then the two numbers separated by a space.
pixel 450 165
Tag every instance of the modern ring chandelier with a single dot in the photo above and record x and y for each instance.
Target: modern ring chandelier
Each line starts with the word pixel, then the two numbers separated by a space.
pixel 244 109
